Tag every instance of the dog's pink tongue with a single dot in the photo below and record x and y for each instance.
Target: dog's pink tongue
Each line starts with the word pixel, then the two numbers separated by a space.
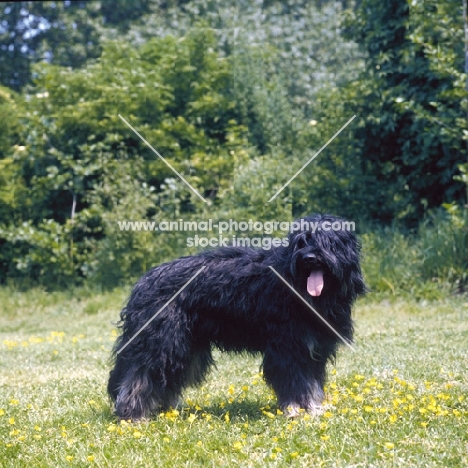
pixel 315 283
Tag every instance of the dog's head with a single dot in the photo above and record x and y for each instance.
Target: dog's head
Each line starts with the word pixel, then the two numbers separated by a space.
pixel 326 257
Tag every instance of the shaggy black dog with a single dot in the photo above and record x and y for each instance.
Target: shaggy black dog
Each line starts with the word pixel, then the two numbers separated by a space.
pixel 238 303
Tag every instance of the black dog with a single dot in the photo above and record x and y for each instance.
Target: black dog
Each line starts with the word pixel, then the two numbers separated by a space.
pixel 237 303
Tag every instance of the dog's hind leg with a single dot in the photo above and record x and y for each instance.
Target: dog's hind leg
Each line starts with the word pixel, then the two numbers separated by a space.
pixel 131 387
pixel 151 372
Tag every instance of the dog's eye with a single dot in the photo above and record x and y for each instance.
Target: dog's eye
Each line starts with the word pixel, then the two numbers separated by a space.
pixel 301 243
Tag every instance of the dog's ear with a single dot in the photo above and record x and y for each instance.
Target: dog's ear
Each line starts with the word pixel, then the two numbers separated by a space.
pixel 357 280
pixel 349 254
pixel 360 286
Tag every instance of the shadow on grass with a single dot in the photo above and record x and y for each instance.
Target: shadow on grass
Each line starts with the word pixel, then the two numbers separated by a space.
pixel 246 410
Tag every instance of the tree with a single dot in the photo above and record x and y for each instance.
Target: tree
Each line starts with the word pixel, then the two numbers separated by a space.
pixel 411 102
pixel 75 157
pixel 66 33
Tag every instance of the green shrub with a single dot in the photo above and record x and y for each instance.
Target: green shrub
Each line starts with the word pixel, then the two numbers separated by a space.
pixel 426 263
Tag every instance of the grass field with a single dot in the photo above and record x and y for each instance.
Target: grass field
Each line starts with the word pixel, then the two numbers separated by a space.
pixel 401 399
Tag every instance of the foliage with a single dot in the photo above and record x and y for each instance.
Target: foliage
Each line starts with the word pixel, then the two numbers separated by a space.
pixel 412 104
pixel 237 98
pixel 306 35
pixel 63 33
pixel 425 264
pixel 8 138
pixel 79 161
pixel 283 140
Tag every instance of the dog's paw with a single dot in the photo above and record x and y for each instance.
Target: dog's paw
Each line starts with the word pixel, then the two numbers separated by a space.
pixel 295 411
pixel 317 410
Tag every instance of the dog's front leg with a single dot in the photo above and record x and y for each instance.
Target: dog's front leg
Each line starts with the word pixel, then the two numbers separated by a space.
pixel 297 379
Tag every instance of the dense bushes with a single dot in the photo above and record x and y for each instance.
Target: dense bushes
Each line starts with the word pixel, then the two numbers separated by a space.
pixel 424 264
pixel 237 116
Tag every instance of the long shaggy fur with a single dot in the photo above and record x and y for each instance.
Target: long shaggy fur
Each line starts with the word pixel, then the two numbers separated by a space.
pixel 238 304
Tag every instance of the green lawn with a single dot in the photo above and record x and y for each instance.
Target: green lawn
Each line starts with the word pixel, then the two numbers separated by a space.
pixel 399 400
